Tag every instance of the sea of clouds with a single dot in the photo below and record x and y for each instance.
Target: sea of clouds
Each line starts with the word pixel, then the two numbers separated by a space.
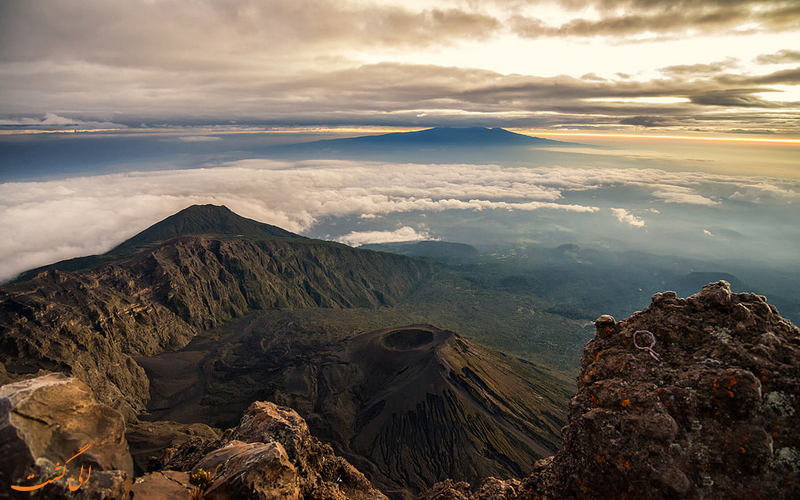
pixel 376 202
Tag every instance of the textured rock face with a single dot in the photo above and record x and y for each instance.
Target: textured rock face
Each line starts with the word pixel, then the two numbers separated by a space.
pixel 166 485
pixel 715 416
pixel 272 455
pixel 688 399
pixel 152 444
pixel 44 425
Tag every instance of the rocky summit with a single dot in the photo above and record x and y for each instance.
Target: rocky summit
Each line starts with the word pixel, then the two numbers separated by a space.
pixel 690 398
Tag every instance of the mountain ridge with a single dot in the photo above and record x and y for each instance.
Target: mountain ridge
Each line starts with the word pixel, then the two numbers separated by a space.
pixel 207 220
pixel 158 298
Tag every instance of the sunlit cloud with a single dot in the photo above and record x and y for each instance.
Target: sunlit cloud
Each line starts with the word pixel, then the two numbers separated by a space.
pixel 625 217
pixel 403 234
pixel 683 195
pixel 46 221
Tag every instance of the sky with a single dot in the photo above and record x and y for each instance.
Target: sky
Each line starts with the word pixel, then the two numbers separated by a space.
pixel 708 66
pixel 114 115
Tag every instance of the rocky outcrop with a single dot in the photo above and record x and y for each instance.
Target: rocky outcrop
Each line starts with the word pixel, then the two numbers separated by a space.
pixel 271 455
pixel 147 297
pixel 46 425
pixel 52 431
pixel 690 398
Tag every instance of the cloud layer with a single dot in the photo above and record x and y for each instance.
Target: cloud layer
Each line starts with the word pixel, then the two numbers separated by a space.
pixel 43 222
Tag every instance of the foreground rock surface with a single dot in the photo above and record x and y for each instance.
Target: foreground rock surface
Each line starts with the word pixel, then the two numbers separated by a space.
pixel 707 406
pixel 52 430
pixel 44 425
pixel 270 455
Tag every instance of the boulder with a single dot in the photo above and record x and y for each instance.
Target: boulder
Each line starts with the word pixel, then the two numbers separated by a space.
pixel 695 398
pixel 690 398
pixel 163 485
pixel 51 431
pixel 153 444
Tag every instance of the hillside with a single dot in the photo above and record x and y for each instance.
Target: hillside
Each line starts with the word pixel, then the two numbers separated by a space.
pixel 89 323
pixel 408 406
pixel 692 398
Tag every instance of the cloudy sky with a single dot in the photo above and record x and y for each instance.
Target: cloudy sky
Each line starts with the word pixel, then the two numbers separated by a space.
pixel 676 66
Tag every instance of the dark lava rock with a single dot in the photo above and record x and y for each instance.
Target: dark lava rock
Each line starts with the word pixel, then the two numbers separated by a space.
pixel 44 425
pixel 690 398
pixel 710 411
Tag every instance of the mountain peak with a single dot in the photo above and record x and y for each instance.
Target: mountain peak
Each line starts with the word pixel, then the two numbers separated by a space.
pixel 209 220
pixel 456 136
pixel 457 143
pixel 216 220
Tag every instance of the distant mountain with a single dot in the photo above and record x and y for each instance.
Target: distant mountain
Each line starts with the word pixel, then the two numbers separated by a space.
pixel 445 137
pixel 476 144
